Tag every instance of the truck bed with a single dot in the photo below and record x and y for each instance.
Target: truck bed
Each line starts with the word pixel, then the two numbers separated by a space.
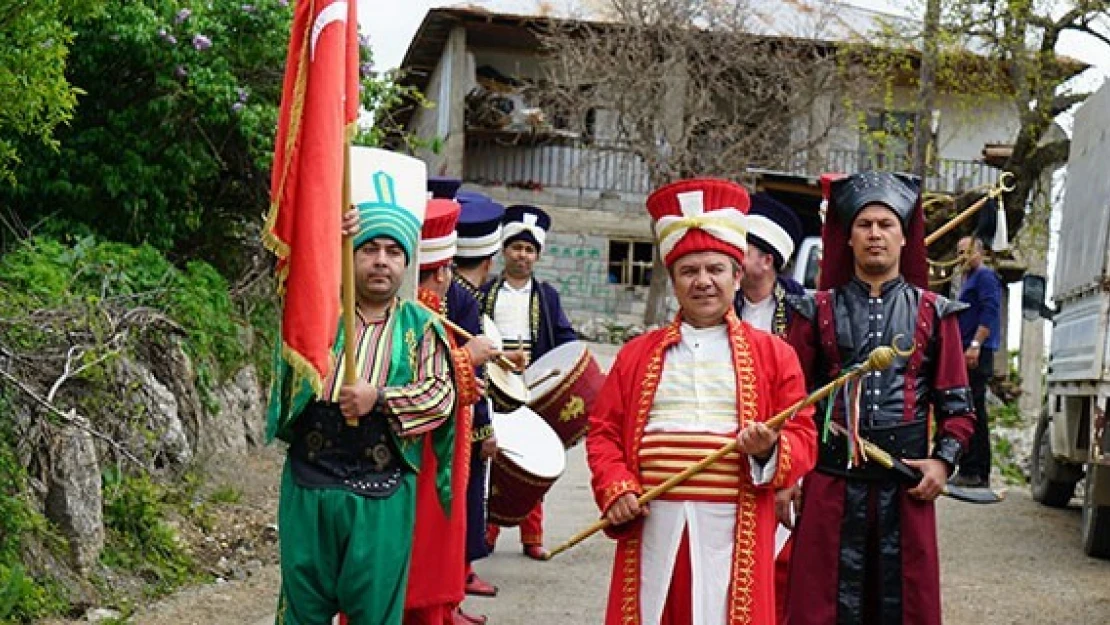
pixel 1083 259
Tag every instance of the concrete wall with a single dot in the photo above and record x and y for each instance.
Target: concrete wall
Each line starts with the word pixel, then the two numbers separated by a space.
pixel 575 258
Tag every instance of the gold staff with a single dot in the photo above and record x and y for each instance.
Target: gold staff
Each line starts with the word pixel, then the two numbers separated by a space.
pixel 880 358
pixel 1005 185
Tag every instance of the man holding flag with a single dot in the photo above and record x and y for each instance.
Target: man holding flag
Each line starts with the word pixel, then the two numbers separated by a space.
pixel 356 441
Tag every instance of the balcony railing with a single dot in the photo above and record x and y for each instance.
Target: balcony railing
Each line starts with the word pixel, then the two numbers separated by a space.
pixel 565 165
pixel 946 175
pixel 577 166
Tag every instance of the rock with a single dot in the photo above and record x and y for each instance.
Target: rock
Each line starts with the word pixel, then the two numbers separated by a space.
pixel 74 499
pixel 238 420
pixel 159 406
pixel 96 615
pixel 245 398
pixel 173 368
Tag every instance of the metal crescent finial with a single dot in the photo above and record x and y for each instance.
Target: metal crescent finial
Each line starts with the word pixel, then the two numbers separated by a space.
pixel 1006 184
pixel 903 352
pixel 883 357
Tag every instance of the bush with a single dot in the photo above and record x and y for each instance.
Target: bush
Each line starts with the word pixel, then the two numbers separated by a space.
pixel 138 538
pixel 23 596
pixel 43 274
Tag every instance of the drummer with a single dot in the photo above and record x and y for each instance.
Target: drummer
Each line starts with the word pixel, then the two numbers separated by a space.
pixel 477 242
pixel 530 317
pixel 438 571
pixel 479 239
pixel 774 232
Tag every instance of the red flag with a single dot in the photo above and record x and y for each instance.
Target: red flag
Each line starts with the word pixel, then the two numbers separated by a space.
pixel 319 102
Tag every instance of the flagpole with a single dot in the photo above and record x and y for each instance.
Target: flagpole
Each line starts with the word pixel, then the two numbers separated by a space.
pixel 350 374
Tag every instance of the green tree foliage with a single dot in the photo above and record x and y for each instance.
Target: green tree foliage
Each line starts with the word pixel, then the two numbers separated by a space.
pixel 172 142
pixel 34 43
pixel 171 145
pixel 1005 51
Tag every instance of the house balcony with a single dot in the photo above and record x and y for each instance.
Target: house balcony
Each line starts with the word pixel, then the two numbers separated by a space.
pixel 570 166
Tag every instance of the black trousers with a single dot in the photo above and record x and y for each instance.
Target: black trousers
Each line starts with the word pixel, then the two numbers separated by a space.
pixel 977 461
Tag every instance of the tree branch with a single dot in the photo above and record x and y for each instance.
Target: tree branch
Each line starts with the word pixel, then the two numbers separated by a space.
pixel 71 418
pixel 1086 28
pixel 1064 102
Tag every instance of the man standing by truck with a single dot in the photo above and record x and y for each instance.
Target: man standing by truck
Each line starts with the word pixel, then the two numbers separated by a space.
pixel 980 329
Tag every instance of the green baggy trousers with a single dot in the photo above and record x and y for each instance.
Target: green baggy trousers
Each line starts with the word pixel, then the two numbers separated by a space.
pixel 344 552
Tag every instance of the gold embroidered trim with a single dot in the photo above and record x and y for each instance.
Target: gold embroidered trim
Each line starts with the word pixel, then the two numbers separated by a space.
pixel 630 583
pixel 786 463
pixel 481 434
pixel 743 557
pixel 466 383
pixel 616 489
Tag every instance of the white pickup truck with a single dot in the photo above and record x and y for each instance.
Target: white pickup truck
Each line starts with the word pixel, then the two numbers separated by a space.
pixel 1072 440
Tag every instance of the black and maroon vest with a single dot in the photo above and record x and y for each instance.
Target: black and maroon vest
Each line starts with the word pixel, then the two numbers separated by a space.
pixel 895 403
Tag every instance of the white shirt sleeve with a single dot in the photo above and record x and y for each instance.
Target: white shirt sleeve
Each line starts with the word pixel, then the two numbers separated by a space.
pixel 764 472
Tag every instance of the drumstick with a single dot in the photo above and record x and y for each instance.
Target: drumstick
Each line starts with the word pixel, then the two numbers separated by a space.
pixel 545 377
pixel 501 360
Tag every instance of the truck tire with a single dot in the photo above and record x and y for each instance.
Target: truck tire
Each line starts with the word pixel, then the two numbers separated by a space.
pixel 1096 518
pixel 1052 482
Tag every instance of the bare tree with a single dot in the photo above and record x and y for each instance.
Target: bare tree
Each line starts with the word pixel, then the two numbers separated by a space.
pixel 693 88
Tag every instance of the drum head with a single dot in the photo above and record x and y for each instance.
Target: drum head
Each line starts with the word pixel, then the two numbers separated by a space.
pixel 562 359
pixel 510 385
pixel 530 443
pixel 489 329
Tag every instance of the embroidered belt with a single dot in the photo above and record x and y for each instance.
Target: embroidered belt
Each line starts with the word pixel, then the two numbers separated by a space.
pixel 327 453
pixel 665 454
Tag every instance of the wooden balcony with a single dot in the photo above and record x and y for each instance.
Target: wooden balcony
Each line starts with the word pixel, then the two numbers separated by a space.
pixel 554 162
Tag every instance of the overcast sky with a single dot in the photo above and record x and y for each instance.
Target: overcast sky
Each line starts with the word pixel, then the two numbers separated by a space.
pixel 391 25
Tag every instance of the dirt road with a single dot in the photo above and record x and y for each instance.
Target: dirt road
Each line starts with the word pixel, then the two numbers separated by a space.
pixel 1016 562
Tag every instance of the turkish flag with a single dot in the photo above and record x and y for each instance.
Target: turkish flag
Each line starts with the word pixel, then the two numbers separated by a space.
pixel 320 101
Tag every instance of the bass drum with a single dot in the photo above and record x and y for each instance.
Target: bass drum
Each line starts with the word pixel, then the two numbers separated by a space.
pixel 564 383
pixel 530 457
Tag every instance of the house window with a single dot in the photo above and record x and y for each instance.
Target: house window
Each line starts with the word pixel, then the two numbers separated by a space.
pixel 887 141
pixel 629 262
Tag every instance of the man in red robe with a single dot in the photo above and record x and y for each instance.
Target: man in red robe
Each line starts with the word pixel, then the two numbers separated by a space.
pixel 865 547
pixel 437 574
pixel 705 553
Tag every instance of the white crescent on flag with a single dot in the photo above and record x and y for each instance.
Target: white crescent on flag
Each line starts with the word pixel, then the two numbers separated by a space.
pixel 334 12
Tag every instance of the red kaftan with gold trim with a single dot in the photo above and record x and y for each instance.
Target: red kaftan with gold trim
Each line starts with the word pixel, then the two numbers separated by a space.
pixel 768 380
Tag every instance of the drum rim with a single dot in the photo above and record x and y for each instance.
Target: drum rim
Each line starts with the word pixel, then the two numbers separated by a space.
pixel 520 395
pixel 547 400
pixel 506 464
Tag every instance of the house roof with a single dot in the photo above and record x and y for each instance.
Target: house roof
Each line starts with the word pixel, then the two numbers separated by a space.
pixel 804 21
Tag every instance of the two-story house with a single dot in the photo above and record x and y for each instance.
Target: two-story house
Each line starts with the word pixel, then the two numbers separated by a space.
pixel 599 251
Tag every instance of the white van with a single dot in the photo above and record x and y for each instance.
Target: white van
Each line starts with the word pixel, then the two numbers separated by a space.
pixel 804 266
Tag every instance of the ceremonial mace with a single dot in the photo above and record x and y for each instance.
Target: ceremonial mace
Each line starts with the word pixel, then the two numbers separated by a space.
pixel 879 358
pixel 911 475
